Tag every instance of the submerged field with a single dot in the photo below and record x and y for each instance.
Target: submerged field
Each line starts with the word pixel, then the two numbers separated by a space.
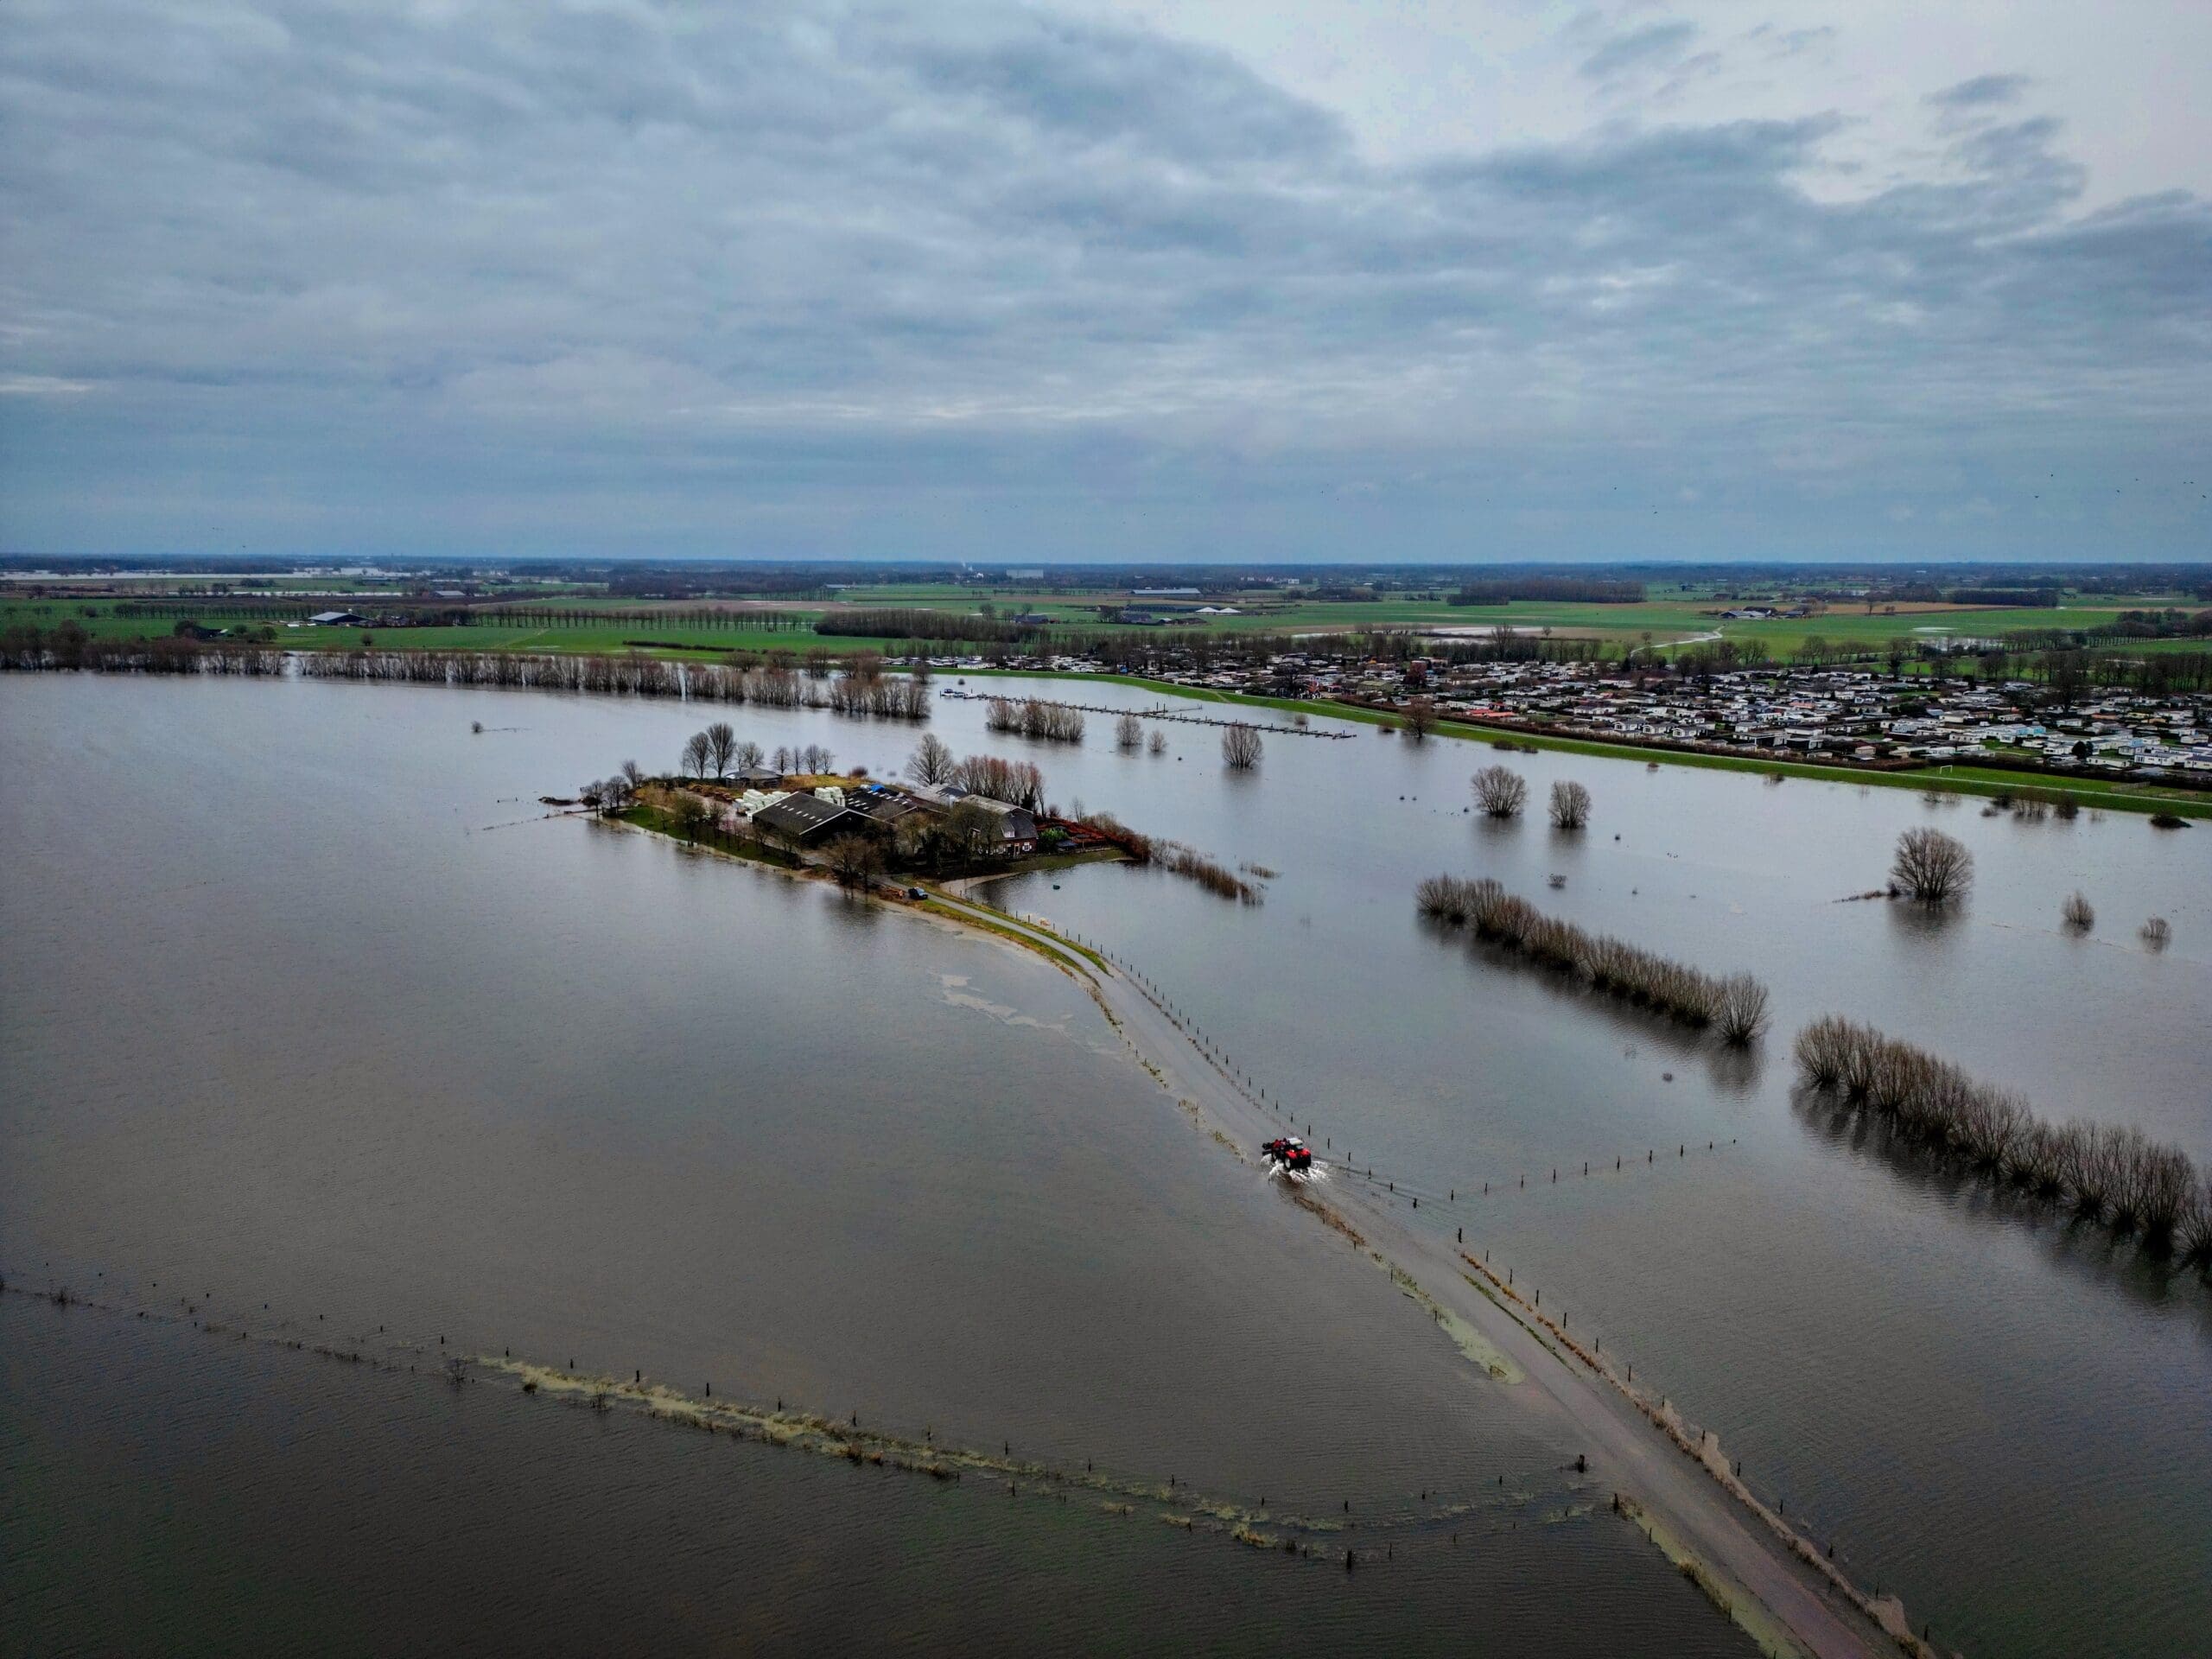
pixel 348 1028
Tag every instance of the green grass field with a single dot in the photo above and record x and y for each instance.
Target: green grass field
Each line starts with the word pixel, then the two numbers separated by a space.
pixel 704 644
pixel 1670 621
pixel 1667 624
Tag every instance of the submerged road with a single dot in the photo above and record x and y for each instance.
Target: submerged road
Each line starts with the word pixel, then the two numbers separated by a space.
pixel 1787 1603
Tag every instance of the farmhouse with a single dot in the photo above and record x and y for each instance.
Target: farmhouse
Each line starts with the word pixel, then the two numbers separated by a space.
pixel 1017 826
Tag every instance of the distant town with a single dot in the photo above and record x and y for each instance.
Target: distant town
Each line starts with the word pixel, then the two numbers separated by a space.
pixel 1851 715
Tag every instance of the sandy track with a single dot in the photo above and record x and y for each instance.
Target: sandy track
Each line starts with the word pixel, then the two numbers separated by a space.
pixel 1768 1579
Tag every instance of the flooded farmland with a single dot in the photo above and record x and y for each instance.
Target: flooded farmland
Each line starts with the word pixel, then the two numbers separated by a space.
pixel 304 1002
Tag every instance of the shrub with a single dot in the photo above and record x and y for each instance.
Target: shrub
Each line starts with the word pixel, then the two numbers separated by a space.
pixel 2077 912
pixel 1054 722
pixel 1932 867
pixel 1736 1004
pixel 2193 1226
pixel 1500 791
pixel 2157 933
pixel 1570 805
pixel 1214 878
pixel 2108 1173
pixel 1740 1014
pixel 1443 898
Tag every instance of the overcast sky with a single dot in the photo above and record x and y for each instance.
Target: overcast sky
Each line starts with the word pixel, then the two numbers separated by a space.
pixel 1107 279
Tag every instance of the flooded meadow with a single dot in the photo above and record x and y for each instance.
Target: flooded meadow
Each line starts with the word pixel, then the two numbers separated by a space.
pixel 313 1021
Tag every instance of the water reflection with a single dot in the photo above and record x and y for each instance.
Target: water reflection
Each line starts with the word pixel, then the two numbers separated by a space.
pixel 2074 1244
pixel 1737 1069
pixel 1927 925
pixel 1856 1335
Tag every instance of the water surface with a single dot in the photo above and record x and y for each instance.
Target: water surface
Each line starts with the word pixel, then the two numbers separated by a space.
pixel 306 1002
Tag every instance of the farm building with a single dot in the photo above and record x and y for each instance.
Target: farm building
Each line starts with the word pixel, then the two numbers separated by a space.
pixel 806 820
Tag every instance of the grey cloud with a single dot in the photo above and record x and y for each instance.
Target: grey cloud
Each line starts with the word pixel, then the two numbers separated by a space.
pixel 1790 42
pixel 1981 92
pixel 1652 46
pixel 820 279
pixel 1102 86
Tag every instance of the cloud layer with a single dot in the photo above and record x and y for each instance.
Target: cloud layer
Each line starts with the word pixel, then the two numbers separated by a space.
pixel 979 281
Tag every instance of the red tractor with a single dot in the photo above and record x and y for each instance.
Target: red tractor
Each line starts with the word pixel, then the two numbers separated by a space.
pixel 1289 1152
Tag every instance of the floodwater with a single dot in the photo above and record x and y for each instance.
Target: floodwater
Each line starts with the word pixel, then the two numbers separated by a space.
pixel 312 1022
pixel 163 1491
pixel 300 997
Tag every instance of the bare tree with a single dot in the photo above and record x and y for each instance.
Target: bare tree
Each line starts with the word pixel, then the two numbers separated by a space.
pixel 1570 805
pixel 1129 732
pixel 747 755
pixel 1500 791
pixel 1156 744
pixel 932 762
pixel 2077 912
pixel 1740 1012
pixel 783 758
pixel 697 753
pixel 854 860
pixel 1017 782
pixel 721 743
pixel 1420 718
pixel 1240 747
pixel 632 775
pixel 2157 933
pixel 1932 867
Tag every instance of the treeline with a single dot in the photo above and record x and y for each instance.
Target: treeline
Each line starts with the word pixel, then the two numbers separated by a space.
pixel 391 611
pixel 1734 1006
pixel 230 605
pixel 920 624
pixel 69 648
pixel 2110 1174
pixel 856 693
pixel 1578 590
pixel 865 691
pixel 1176 858
pixel 2015 597
pixel 1034 717
pixel 1017 783
pixel 698 619
pixel 2167 624
pixel 2070 665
